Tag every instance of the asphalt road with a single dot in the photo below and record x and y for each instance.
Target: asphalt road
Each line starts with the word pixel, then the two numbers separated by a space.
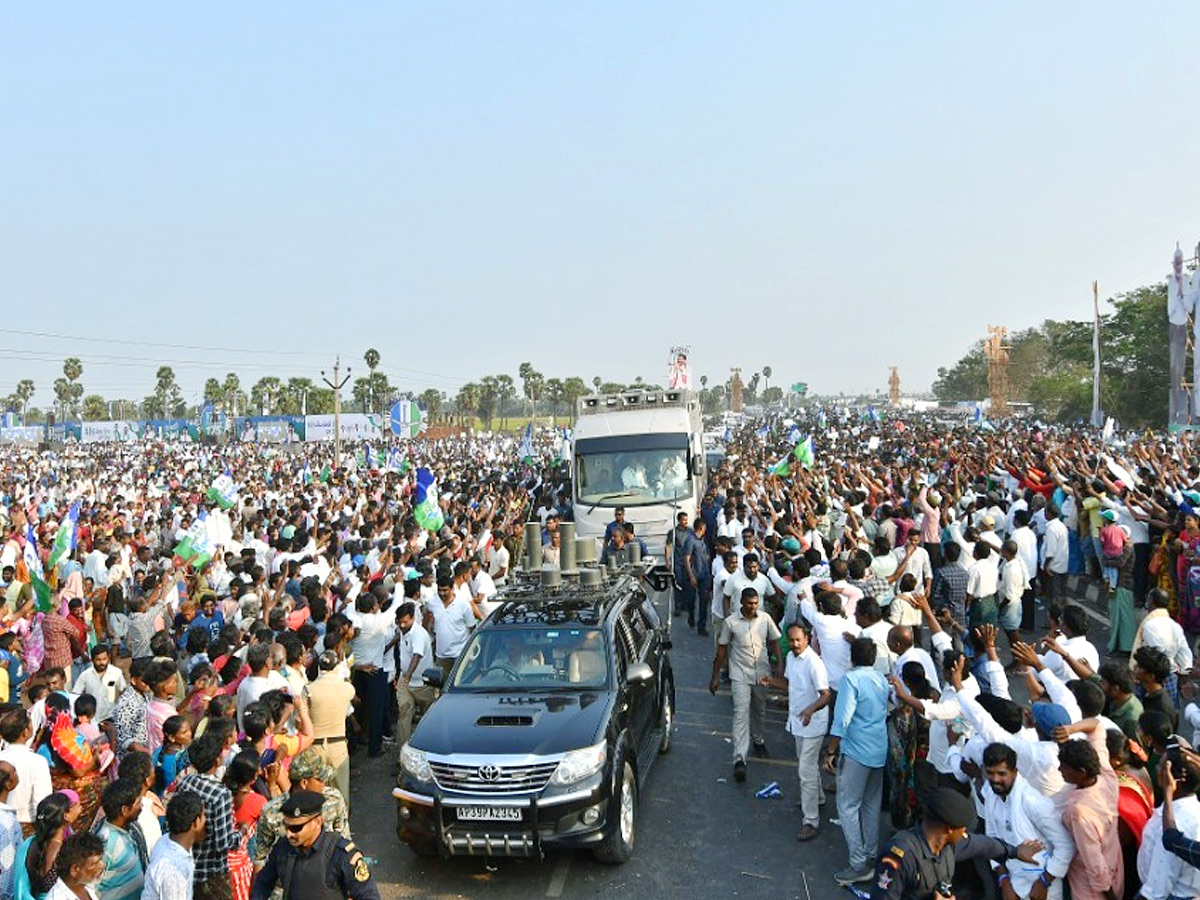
pixel 700 834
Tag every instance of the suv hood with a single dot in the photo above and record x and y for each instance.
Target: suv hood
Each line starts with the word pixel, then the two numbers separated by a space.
pixel 538 724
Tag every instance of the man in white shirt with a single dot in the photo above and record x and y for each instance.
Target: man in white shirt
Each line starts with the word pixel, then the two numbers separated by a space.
pixel 1073 640
pixel 262 678
pixel 913 559
pixel 748 577
pixel 833 632
pixel 1160 631
pixel 33 772
pixel 720 607
pixel 983 580
pixel 413 653
pixel 102 680
pixel 452 620
pixel 900 642
pixel 1016 813
pixel 1056 555
pixel 807 684
pixel 1037 753
pixel 1011 587
pixel 1027 551
pixel 498 559
pixel 869 619
pixel 482 587
pixel 1165 874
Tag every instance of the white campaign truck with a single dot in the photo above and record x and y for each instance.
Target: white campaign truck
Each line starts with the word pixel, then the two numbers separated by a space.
pixel 640 450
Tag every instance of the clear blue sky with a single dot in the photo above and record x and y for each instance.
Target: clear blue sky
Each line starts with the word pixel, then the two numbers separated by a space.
pixel 823 188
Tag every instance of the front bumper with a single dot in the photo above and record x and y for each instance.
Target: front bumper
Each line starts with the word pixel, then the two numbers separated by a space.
pixel 553 818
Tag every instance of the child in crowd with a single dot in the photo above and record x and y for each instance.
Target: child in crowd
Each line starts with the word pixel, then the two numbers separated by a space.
pixel 171 758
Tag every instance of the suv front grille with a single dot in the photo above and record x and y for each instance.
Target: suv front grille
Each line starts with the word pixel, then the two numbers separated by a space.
pixel 491 779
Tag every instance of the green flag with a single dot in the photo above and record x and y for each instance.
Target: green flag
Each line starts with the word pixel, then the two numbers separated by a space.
pixel 325 473
pixel 804 453
pixel 780 468
pixel 43 593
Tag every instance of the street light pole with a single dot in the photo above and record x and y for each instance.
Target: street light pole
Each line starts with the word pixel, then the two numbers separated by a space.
pixel 337 408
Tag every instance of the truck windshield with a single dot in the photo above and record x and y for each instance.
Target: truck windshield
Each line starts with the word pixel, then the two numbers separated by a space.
pixel 539 658
pixel 636 470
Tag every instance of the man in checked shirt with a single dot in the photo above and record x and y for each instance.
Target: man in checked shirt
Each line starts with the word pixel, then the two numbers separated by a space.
pixel 212 866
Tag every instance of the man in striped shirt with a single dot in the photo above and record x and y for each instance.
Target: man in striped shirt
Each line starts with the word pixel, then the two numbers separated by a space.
pixel 125 855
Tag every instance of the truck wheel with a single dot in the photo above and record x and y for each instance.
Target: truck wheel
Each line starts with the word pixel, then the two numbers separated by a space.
pixel 617 846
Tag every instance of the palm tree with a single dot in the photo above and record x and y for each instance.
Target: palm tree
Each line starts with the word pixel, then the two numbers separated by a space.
pixel 25 391
pixel 72 369
pixel 766 379
pixel 371 358
pixel 596 382
pixel 231 389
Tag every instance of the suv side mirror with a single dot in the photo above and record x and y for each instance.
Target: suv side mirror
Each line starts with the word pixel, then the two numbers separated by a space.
pixel 432 677
pixel 638 673
pixel 698 464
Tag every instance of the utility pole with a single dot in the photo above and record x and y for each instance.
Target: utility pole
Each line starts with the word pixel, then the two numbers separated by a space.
pixel 337 408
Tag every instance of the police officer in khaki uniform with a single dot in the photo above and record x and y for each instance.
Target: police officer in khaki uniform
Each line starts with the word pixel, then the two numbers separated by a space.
pixel 313 864
pixel 919 864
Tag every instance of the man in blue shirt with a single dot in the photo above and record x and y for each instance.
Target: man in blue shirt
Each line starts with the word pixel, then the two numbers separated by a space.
pixel 859 734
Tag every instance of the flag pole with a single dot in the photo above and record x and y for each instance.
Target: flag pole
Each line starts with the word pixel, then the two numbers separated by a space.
pixel 1097 416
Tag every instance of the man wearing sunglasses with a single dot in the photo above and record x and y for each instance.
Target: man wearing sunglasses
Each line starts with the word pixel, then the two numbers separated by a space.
pixel 313 863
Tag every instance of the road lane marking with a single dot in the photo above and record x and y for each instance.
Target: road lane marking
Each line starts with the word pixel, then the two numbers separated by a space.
pixel 559 880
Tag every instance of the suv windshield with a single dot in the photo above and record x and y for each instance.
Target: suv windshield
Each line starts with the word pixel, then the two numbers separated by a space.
pixel 523 658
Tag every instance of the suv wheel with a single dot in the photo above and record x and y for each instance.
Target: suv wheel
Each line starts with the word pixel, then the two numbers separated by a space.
pixel 666 718
pixel 617 845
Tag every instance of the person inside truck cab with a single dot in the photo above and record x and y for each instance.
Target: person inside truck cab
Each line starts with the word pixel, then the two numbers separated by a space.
pixel 634 475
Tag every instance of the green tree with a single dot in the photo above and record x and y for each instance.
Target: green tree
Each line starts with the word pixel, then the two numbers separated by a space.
pixel 62 394
pixel 264 395
pixel 965 380
pixel 466 402
pixel 610 387
pixel 772 395
pixel 431 399
pixel 231 394
pixel 555 394
pixel 489 396
pixel 24 393
pixel 371 358
pixel 573 389
pixel 95 409
pixel 169 400
pixel 72 370
pixel 767 373
pixel 506 391
pixel 294 396
pixel 212 391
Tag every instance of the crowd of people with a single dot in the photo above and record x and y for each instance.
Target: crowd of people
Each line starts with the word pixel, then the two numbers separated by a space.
pixel 908 589
pixel 186 673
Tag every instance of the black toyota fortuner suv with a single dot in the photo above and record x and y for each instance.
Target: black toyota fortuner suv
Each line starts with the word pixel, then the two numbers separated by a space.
pixel 546 727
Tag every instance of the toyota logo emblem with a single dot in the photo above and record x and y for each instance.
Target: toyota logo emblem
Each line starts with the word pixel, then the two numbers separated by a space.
pixel 489 773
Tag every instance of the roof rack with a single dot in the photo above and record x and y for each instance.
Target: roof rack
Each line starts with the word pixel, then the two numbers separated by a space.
pixel 591 404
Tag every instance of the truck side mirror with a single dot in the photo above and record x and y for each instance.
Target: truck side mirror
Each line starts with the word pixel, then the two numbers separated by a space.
pixel 698 464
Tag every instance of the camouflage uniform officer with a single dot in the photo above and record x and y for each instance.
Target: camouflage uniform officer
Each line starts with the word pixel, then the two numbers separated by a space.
pixel 309 772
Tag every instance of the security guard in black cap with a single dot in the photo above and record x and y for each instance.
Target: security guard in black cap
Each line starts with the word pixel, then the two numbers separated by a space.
pixel 313 864
pixel 919 865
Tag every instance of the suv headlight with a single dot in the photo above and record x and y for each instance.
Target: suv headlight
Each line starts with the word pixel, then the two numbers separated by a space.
pixel 416 763
pixel 579 764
